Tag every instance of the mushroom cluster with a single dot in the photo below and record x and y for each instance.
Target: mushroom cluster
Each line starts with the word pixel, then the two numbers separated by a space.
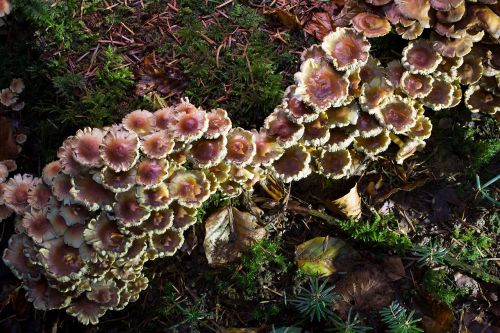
pixel 465 36
pixel 121 196
pixel 118 197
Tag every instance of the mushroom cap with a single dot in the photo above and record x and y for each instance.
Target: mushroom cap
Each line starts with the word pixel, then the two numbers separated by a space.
pixel 448 47
pixel 314 52
pixel 240 146
pixel 37 226
pixel 4 172
pixel 470 71
pixel 204 153
pixel 449 67
pixel 393 72
pixel 334 165
pixel 39 195
pixel 183 217
pixel 367 125
pixel 293 164
pixel 120 149
pixel 346 48
pixel 61 261
pixel 43 296
pixel 316 133
pixel 16 260
pixel 73 236
pixel 128 211
pixel 295 109
pixel 159 221
pixel 7 97
pixel 157 144
pixel 286 132
pixel 374 93
pixel 91 194
pixel 219 124
pixel 104 292
pixel 189 187
pixel 452 15
pixel 69 165
pixel 105 237
pixel 141 122
pixel 267 148
pixel 221 171
pixel 371 70
pixel 151 172
pixel 419 57
pixel 397 114
pixel 373 145
pixel 415 9
pixel 408 149
pixel 320 85
pixel 340 138
pixel 166 244
pixel 86 145
pixel 17 85
pixel 231 189
pixel 478 99
pixel 86 311
pixel 164 118
pixel 411 31
pixel 61 188
pixel 157 198
pixel 190 122
pixel 416 85
pixel 371 25
pixel 16 192
pixel 422 129
pixel 445 5
pixel 342 116
pixel 117 181
pixel 51 170
pixel 72 214
pixel 441 95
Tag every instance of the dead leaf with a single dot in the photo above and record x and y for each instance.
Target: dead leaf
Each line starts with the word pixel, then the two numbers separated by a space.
pixel 464 281
pixel 394 268
pixel 9 148
pixel 325 256
pixel 166 81
pixel 348 205
pixel 405 187
pixel 286 18
pixel 230 232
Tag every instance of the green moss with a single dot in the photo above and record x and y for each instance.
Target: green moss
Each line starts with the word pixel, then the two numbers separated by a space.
pixel 263 256
pixel 244 76
pixel 439 283
pixel 472 247
pixel 380 232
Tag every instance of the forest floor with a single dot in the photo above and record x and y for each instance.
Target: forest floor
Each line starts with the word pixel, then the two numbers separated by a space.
pixel 428 238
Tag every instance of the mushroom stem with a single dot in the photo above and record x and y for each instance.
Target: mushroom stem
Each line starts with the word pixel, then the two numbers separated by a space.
pixel 396 140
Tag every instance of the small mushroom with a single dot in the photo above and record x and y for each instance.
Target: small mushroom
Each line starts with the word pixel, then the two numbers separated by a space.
pixel 297 110
pixel 416 85
pixel 204 153
pixel 374 93
pixel 374 145
pixel 189 188
pixel 86 147
pixel 141 122
pixel 478 99
pixel 371 25
pixel 397 114
pixel 166 244
pixel 419 57
pixel 441 95
pixel 342 116
pixel 334 165
pixel 16 192
pixel 128 211
pixel 157 144
pixel 91 194
pixel 120 149
pixel 151 172
pixel 293 164
pixel 240 146
pixel 267 149
pixel 156 198
pixel 117 181
pixel 286 132
pixel 346 48
pixel 219 124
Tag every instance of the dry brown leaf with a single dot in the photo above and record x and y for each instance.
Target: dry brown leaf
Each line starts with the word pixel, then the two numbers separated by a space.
pixel 394 268
pixel 348 205
pixel 286 18
pixel 230 232
pixel 437 316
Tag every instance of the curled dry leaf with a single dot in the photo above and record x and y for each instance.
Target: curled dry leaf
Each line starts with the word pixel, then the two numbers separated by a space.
pixel 325 256
pixel 286 18
pixel 229 232
pixel 347 205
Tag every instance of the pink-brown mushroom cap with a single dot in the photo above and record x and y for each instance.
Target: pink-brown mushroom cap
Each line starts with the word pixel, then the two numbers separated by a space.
pixel 346 48
pixel 16 192
pixel 419 57
pixel 151 172
pixel 120 149
pixel 293 164
pixel 141 122
pixel 219 124
pixel 86 146
pixel 157 144
pixel 189 188
pixel 416 85
pixel 240 146
pixel 205 153
pixel 371 25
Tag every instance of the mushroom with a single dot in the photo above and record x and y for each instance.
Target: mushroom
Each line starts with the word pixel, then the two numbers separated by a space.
pixel 37 226
pixel 416 85
pixel 340 138
pixel 156 198
pixel 104 235
pixel 478 99
pixel 334 165
pixel 157 144
pixel 190 122
pixel 441 95
pixel 189 187
pixel 86 145
pixel 205 153
pixel 117 181
pixel 151 172
pixel 159 221
pixel 16 192
pixel 371 25
pixel 240 146
pixel 419 57
pixel 166 244
pixel 397 114
pixel 128 211
pixel 342 116
pixel 184 217
pixel 297 110
pixel 393 72
pixel 373 145
pixel 346 48
pixel 367 125
pixel 86 311
pixel 141 122
pixel 50 171
pixel 219 124
pixel 316 133
pixel 267 148
pixel 320 85
pixel 286 132
pixel 90 193
pixel 374 93
pixel 470 71
pixel 415 9
pixel 61 261
pixel 293 164
pixel 120 149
